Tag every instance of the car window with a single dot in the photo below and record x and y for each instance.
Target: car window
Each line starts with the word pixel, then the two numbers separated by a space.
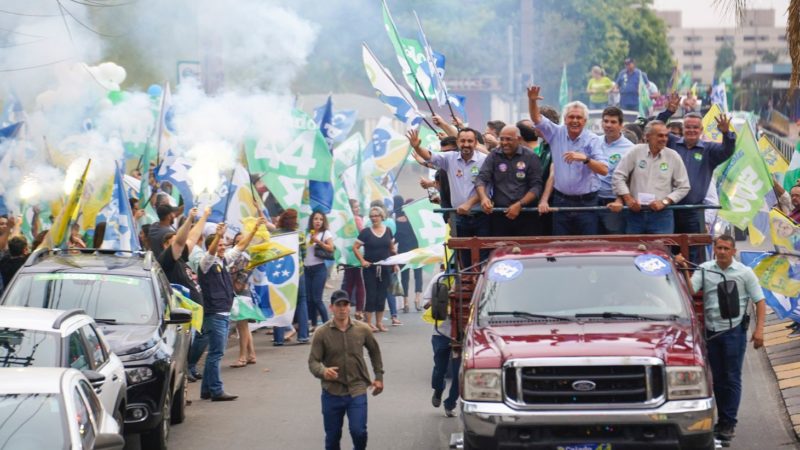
pixel 127 300
pixel 82 419
pixel 96 349
pixel 77 356
pixel 572 285
pixel 164 292
pixel 32 421
pixel 91 399
pixel 23 348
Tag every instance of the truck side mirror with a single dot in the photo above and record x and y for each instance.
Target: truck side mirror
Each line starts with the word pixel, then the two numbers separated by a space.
pixel 439 301
pixel 728 296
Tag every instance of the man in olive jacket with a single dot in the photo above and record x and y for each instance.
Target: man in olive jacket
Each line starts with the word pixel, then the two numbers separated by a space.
pixel 337 358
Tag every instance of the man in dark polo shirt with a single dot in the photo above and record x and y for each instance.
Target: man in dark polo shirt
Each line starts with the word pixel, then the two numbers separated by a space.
pixel 515 174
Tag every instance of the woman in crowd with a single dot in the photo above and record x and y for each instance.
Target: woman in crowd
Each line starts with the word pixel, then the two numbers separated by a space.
pixel 378 244
pixel 241 287
pixel 598 88
pixel 353 282
pixel 391 224
pixel 407 241
pixel 287 223
pixel 316 272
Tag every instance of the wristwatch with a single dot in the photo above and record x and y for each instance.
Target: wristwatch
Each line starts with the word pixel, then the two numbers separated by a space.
pixel 587 160
pixel 665 202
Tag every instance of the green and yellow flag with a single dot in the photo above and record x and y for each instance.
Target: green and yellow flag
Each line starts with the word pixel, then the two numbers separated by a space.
pixel 58 235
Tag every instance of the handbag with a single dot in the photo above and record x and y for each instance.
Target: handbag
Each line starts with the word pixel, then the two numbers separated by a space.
pixel 323 254
pixel 395 288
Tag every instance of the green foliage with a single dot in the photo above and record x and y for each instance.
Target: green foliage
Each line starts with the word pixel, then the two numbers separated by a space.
pixel 583 33
pixel 726 57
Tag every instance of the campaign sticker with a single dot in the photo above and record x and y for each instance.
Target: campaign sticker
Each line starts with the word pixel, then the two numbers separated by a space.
pixel 459 173
pixel 642 164
pixel 474 170
pixel 521 165
pixel 505 270
pixel 652 265
pixel 698 156
pixel 614 159
pixel 503 167
pixel 663 167
pixel 520 175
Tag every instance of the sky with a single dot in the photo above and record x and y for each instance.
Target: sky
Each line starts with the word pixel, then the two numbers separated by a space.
pixel 707 14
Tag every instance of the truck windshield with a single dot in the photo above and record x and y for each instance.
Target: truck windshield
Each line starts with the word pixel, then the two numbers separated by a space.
pixel 591 285
pixel 126 300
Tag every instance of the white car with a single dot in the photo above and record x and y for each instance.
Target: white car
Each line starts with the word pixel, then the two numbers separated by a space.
pixel 36 337
pixel 53 408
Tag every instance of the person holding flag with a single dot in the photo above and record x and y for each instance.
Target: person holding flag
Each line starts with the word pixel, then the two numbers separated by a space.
pixel 701 158
pixel 628 81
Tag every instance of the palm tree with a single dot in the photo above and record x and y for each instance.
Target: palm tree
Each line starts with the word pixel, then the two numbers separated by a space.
pixel 792 32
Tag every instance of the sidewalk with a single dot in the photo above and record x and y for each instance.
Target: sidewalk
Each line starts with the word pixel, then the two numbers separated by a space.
pixel 784 357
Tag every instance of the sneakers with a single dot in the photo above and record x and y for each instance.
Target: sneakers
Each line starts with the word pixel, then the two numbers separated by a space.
pixel 725 433
pixel 193 375
pixel 224 397
pixel 449 412
pixel 396 322
pixel 436 400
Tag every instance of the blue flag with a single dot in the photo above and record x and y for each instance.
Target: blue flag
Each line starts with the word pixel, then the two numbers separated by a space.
pixel 120 231
pixel 459 104
pixel 176 170
pixel 320 193
pixel 784 307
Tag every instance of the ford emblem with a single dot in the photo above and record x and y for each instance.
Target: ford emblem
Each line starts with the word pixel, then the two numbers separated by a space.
pixel 584 385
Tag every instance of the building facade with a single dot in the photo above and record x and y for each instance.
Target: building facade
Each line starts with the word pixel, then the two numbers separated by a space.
pixel 695 49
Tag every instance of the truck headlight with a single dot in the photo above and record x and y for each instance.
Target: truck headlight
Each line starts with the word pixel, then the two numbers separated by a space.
pixel 136 375
pixel 686 382
pixel 482 385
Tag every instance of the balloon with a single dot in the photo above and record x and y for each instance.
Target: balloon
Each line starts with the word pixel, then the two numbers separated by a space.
pixel 154 91
pixel 115 97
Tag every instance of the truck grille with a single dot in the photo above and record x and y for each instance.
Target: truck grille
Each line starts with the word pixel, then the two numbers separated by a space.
pixel 590 384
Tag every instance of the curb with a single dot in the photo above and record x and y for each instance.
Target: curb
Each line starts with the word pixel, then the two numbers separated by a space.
pixel 784 358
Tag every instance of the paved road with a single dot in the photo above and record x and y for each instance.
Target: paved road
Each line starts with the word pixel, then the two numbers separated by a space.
pixel 279 408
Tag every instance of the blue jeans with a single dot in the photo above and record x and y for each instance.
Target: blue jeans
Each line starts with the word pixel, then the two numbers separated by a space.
pixel 196 349
pixel 468 226
pixel 392 300
pixel 574 223
pixel 726 356
pixel 215 330
pixel 691 221
pixel 443 365
pixel 334 407
pixel 647 222
pixel 300 315
pixel 405 278
pixel 315 285
pixel 610 222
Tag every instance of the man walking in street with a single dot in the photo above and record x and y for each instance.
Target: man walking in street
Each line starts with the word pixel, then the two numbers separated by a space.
pixel 726 339
pixel 337 359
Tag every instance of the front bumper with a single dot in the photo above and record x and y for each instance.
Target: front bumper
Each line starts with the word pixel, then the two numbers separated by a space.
pixel 674 424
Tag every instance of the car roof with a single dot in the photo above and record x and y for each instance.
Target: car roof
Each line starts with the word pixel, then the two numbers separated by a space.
pixel 583 248
pixel 41 319
pixel 135 264
pixel 32 380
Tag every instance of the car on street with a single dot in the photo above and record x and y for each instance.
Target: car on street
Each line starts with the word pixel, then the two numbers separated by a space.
pixel 54 408
pixel 37 337
pixel 130 298
pixel 584 345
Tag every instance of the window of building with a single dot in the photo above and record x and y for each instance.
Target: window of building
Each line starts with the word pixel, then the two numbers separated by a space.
pixel 692 52
pixel 693 38
pixel 692 67
pixel 749 38
pixel 724 38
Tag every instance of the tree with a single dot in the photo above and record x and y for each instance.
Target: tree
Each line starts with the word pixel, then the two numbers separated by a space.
pixel 726 57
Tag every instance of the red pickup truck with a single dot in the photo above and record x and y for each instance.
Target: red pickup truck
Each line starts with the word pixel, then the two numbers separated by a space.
pixel 582 345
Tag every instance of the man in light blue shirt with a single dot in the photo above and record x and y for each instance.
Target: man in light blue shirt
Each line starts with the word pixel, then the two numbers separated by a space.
pixel 614 147
pixel 628 82
pixel 726 340
pixel 577 160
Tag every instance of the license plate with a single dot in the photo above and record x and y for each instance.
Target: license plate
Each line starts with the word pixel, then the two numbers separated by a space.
pixel 602 446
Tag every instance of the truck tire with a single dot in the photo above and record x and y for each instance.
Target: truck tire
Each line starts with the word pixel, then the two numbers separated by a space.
pixel 156 438
pixel 179 404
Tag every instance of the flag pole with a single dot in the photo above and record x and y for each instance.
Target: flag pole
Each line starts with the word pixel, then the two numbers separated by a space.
pixel 388 75
pixel 413 75
pixel 161 124
pixel 432 68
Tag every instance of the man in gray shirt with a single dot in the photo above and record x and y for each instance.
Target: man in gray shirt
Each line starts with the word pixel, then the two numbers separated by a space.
pixel 651 176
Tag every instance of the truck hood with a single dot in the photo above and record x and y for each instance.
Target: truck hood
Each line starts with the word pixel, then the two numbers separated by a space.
pixel 127 339
pixel 672 342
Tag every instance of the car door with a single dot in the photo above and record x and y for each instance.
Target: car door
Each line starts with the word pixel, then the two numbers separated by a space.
pixel 107 364
pixel 177 336
pixel 84 420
